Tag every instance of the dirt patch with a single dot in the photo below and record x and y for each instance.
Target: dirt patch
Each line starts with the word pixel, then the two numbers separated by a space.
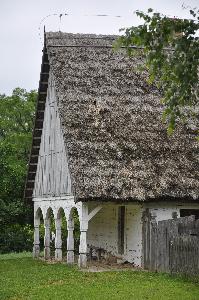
pixel 104 266
pixel 99 266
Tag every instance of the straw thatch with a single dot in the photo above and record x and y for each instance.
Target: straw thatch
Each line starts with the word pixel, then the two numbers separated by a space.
pixel 117 145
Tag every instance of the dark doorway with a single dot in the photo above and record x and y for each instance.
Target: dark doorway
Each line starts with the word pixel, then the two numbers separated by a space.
pixel 189 212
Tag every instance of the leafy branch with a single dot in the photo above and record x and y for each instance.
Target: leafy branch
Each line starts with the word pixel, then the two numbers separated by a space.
pixel 171 49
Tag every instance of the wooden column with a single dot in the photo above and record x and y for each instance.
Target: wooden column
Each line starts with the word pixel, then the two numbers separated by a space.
pixel 70 242
pixel 82 262
pixel 36 246
pixel 58 240
pixel 83 250
pixel 153 243
pixel 146 239
pixel 47 238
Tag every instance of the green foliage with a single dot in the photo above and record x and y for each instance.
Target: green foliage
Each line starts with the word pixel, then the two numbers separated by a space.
pixel 16 238
pixel 171 51
pixel 76 232
pixel 64 232
pixel 16 122
pixel 25 278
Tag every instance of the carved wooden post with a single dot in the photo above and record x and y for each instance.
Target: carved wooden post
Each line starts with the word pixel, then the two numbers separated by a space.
pixel 145 238
pixel 174 215
pixel 83 236
pixel 47 238
pixel 58 240
pixel 153 243
pixel 70 242
pixel 36 246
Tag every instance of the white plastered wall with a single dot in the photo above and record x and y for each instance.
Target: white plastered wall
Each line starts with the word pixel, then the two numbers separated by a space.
pixel 56 203
pixel 103 232
pixel 102 229
pixel 133 234
pixel 164 211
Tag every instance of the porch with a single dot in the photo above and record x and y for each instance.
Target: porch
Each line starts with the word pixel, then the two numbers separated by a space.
pixel 107 231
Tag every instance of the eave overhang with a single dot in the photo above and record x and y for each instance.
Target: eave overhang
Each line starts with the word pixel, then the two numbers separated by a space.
pixel 38 125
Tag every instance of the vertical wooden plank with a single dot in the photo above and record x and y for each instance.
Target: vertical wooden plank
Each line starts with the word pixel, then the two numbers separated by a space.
pixel 153 244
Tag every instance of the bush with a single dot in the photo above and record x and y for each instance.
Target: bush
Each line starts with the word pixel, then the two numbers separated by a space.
pixel 16 238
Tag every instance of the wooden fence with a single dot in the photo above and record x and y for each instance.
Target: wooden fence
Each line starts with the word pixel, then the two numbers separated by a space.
pixel 171 245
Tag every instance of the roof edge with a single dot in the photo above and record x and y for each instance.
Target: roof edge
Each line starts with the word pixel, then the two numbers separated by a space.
pixel 168 199
pixel 38 124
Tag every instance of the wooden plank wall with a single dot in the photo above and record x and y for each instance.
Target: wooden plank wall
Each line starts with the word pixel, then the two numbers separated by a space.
pixel 184 254
pixel 52 176
pixel 171 245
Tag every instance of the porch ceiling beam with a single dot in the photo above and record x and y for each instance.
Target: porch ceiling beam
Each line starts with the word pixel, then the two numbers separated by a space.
pixel 94 212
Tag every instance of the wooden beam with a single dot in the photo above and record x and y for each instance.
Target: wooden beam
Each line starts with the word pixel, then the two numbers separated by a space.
pixel 40 115
pixel 39 124
pixel 32 168
pixel 30 184
pixel 41 105
pixel 42 97
pixel 44 76
pixel 33 159
pixel 37 132
pixel 94 212
pixel 45 67
pixel 36 141
pixel 35 150
pixel 28 193
pixel 31 175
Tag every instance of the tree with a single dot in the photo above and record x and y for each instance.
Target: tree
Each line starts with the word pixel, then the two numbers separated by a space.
pixel 16 122
pixel 171 51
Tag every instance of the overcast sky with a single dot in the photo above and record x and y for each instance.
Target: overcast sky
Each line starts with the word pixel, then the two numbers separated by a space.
pixel 20 51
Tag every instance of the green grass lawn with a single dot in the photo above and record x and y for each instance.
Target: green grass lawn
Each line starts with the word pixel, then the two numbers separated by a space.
pixel 21 277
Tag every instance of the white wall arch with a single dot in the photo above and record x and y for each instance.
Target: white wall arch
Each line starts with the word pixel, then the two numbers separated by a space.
pixel 66 205
pixel 49 212
pixel 39 213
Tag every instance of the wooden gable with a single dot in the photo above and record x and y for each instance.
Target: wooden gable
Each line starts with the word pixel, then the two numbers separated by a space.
pixel 52 176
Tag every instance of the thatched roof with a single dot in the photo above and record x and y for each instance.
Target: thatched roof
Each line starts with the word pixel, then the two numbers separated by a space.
pixel 117 145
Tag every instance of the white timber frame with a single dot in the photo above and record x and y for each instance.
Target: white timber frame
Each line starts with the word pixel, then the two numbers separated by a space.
pixel 52 176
